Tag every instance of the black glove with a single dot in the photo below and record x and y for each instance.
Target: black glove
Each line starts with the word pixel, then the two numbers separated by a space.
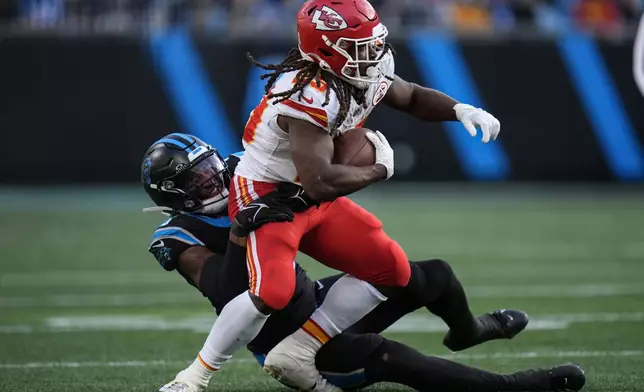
pixel 293 197
pixel 277 206
pixel 264 210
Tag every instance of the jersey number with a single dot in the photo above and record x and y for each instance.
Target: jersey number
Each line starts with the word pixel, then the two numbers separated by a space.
pixel 254 120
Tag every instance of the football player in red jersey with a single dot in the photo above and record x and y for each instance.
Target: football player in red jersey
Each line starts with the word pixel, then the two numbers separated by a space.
pixel 340 71
pixel 187 179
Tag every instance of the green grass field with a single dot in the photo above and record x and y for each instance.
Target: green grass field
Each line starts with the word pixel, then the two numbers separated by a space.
pixel 84 307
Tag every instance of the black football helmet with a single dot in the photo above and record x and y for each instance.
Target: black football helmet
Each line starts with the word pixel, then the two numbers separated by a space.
pixel 183 173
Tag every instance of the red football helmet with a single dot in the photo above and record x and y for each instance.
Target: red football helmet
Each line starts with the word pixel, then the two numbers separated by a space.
pixel 344 37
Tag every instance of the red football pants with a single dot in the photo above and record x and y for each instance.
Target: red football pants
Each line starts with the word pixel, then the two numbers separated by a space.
pixel 339 234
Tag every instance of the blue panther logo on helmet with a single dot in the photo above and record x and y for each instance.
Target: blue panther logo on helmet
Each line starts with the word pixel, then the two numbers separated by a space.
pixel 147 164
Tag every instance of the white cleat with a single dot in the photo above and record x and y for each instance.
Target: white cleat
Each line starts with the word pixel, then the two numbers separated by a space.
pixel 180 386
pixel 292 362
pixel 185 382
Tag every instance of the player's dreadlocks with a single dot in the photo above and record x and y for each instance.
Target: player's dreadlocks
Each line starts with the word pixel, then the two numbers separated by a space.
pixel 308 72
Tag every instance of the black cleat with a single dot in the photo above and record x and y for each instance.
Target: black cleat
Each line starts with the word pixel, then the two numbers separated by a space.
pixel 562 378
pixel 500 324
pixel 568 377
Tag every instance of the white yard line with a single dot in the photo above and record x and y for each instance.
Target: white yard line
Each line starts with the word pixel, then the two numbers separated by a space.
pixel 549 354
pixel 188 297
pixel 517 355
pixel 6 329
pixel 550 291
pixel 413 323
pixel 107 300
pixel 86 278
pixel 418 323
pixel 36 365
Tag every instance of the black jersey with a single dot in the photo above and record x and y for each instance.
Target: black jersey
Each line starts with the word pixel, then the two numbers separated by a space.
pixel 185 230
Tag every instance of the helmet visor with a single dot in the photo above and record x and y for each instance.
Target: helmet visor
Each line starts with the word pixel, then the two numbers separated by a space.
pixel 205 178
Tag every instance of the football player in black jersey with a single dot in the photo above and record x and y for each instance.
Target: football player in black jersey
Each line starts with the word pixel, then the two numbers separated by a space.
pixel 188 180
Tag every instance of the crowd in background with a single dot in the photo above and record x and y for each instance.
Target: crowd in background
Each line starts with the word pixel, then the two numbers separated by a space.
pixel 239 17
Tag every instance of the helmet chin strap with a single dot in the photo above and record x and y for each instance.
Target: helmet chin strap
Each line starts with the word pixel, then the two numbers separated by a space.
pixel 216 207
pixel 163 210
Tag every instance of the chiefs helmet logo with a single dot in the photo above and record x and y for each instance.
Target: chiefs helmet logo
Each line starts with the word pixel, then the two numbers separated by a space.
pixel 328 19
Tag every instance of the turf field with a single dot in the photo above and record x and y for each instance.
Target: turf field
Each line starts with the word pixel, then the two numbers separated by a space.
pixel 84 307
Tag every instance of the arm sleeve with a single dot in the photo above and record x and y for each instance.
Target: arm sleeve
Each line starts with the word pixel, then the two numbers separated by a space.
pixel 169 242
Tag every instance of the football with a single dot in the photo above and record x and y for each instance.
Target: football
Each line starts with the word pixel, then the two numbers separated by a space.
pixel 354 149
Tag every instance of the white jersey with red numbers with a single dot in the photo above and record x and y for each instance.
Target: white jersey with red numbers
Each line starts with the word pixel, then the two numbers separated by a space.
pixel 267 154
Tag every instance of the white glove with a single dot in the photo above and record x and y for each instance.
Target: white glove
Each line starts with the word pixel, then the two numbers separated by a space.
pixel 472 117
pixel 384 152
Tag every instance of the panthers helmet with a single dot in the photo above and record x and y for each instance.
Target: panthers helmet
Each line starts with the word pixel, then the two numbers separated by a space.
pixel 183 173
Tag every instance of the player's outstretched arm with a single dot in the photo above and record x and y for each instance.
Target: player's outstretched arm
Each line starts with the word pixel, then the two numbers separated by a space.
pixel 432 105
pixel 312 151
pixel 421 102
pixel 192 261
pixel 638 57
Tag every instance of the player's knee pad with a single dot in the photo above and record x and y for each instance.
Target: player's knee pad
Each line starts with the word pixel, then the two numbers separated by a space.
pixel 437 277
pixel 394 260
pixel 392 266
pixel 400 270
pixel 438 268
pixel 277 294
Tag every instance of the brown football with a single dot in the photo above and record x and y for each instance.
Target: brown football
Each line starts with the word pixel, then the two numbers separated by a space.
pixel 354 149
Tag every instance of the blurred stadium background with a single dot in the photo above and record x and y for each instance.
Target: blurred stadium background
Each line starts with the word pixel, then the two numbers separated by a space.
pixel 547 219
